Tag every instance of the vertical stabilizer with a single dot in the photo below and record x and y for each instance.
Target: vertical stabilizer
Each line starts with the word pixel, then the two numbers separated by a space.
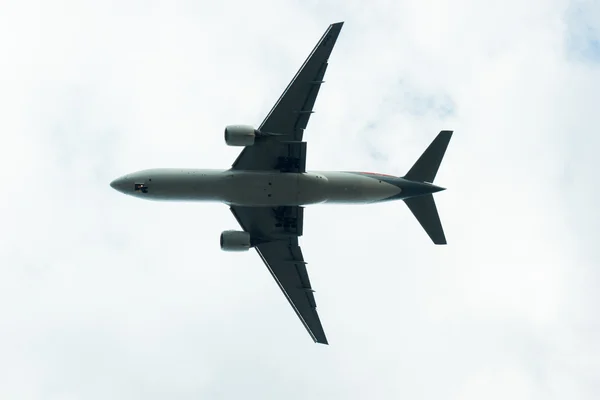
pixel 426 167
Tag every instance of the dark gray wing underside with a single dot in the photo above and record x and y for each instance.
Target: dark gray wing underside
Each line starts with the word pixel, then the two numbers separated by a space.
pixel 276 230
pixel 290 115
pixel 286 264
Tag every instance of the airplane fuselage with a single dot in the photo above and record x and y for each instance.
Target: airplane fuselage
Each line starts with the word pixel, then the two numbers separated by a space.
pixel 261 188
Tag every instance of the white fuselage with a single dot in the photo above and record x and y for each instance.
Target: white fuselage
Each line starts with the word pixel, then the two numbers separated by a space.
pixel 256 188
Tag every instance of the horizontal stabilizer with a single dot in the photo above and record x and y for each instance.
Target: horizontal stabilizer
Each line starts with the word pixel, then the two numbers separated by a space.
pixel 428 164
pixel 425 211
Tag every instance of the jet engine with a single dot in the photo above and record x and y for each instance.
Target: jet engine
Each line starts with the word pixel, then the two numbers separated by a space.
pixel 240 135
pixel 235 241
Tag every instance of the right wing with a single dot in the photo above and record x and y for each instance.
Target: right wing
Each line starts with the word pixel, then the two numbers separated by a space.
pixel 276 231
pixel 289 116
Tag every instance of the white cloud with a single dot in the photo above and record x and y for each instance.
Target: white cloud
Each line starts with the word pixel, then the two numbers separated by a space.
pixel 106 296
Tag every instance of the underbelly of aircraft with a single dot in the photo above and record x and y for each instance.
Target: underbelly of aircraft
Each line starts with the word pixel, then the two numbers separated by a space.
pixel 247 188
pixel 355 188
pixel 262 188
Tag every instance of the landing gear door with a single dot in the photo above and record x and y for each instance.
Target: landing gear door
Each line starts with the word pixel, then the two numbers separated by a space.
pixel 295 158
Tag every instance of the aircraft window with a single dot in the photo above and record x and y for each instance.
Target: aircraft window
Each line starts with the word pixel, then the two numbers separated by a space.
pixel 140 187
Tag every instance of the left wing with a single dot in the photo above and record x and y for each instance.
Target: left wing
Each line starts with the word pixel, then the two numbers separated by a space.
pixel 281 147
pixel 276 231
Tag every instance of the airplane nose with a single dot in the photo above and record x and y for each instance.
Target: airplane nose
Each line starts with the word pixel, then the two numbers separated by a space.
pixel 119 184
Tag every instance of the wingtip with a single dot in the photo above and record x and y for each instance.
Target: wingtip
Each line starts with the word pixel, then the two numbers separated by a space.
pixel 320 337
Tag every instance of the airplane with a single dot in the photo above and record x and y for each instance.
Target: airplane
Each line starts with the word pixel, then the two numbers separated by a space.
pixel 268 186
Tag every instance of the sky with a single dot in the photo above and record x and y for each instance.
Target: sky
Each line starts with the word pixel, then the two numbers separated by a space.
pixel 107 296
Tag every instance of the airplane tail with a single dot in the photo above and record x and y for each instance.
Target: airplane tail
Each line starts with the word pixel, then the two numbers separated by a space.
pixel 425 170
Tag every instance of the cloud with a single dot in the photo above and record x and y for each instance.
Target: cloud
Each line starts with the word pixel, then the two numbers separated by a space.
pixel 583 37
pixel 107 296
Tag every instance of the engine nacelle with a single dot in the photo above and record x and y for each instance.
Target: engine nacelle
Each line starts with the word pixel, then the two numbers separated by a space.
pixel 235 241
pixel 240 135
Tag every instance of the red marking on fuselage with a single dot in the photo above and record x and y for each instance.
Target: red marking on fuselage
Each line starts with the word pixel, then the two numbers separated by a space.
pixel 377 174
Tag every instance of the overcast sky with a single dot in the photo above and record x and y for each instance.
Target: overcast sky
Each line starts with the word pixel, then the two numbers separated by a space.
pixel 107 296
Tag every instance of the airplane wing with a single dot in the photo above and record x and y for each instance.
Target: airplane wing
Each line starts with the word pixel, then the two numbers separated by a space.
pixel 284 150
pixel 277 230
